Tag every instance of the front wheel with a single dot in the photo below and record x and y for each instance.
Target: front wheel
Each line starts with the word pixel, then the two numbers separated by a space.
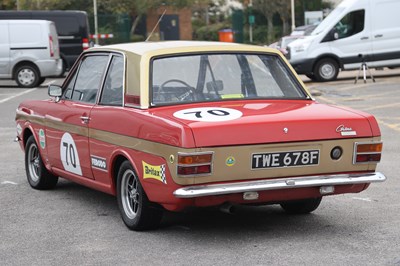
pixel 301 206
pixel 326 69
pixel 137 212
pixel 37 174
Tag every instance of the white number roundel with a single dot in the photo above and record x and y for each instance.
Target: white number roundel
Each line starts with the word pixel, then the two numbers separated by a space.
pixel 208 114
pixel 69 155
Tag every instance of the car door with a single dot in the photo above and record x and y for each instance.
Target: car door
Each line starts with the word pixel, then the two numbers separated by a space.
pixel 107 118
pixel 67 123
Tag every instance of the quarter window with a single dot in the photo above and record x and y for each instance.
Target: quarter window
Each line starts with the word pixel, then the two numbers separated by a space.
pixel 113 86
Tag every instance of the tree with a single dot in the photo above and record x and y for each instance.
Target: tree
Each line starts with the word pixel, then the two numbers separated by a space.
pixel 283 7
pixel 268 9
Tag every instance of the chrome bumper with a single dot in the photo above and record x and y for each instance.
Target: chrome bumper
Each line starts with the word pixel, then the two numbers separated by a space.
pixel 276 184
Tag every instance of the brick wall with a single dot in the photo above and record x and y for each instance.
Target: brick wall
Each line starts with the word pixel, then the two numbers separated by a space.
pixel 185 22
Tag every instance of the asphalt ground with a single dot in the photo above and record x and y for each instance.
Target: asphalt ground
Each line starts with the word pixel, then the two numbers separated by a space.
pixel 74 225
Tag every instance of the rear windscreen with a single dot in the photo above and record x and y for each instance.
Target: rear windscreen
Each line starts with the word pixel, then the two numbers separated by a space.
pixel 66 25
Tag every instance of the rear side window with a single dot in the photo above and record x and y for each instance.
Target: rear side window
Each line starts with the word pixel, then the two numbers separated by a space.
pixel 66 25
pixel 113 86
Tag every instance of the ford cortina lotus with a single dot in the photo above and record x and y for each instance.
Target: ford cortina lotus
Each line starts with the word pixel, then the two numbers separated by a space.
pixel 171 125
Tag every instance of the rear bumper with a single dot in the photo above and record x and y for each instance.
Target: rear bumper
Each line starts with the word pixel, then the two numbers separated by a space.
pixel 50 68
pixel 277 184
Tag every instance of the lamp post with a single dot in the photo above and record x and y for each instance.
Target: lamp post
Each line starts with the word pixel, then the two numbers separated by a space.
pixel 251 20
pixel 96 31
pixel 292 7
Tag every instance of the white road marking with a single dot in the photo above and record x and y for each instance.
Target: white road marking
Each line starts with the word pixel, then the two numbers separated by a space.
pixel 17 95
pixel 363 199
pixel 8 183
pixel 50 82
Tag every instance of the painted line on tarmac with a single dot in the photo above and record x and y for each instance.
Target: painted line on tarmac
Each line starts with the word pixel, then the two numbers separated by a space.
pixel 50 82
pixel 363 199
pixel 17 95
pixel 8 183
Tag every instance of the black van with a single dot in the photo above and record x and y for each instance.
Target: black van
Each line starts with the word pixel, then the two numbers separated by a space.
pixel 72 29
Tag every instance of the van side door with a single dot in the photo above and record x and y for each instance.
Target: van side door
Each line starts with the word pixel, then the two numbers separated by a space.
pixel 4 51
pixel 386 32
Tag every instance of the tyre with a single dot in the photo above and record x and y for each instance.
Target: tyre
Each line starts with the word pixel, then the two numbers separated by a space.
pixel 326 69
pixel 311 76
pixel 37 174
pixel 301 206
pixel 27 76
pixel 137 212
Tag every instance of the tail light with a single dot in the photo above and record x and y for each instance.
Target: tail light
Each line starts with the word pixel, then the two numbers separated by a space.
pixel 85 43
pixel 194 164
pixel 51 46
pixel 366 152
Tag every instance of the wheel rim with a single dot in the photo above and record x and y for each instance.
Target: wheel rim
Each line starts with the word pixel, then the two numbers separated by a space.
pixel 33 163
pixel 327 71
pixel 26 76
pixel 130 194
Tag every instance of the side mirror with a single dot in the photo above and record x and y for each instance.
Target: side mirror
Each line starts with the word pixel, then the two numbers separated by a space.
pixel 55 91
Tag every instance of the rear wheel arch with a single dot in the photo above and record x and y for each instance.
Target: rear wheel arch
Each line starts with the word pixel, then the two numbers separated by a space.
pixel 23 63
pixel 115 166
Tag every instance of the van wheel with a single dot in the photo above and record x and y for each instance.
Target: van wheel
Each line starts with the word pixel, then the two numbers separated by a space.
pixel 27 76
pixel 326 69
pixel 301 206
pixel 37 174
pixel 137 212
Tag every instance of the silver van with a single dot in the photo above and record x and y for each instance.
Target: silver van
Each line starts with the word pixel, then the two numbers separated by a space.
pixel 29 51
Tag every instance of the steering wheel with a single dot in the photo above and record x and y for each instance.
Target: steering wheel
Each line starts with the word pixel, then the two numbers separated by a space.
pixel 189 89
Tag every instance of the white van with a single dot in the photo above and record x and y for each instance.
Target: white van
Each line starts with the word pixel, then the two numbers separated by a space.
pixel 29 51
pixel 355 31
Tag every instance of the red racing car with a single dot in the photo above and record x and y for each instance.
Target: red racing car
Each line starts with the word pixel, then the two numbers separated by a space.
pixel 169 125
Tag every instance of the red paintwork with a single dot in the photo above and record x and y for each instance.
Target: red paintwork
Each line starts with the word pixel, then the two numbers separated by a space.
pixel 262 122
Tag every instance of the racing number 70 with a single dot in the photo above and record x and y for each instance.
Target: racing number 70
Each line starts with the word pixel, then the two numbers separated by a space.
pixel 69 154
pixel 216 112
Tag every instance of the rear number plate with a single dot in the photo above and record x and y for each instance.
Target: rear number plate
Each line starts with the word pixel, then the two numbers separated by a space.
pixel 284 159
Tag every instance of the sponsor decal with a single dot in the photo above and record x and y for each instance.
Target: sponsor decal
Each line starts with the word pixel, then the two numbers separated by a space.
pixel 346 131
pixel 98 162
pixel 209 114
pixel 154 171
pixel 230 161
pixel 69 155
pixel 42 139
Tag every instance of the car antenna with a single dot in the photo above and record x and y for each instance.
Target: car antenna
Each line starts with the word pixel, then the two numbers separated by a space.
pixel 158 22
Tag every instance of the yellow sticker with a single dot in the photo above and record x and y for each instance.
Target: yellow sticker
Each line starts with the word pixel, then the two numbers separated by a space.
pixel 154 171
pixel 232 96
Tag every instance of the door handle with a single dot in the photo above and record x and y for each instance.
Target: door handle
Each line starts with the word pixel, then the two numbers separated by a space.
pixel 378 35
pixel 85 119
pixel 364 38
